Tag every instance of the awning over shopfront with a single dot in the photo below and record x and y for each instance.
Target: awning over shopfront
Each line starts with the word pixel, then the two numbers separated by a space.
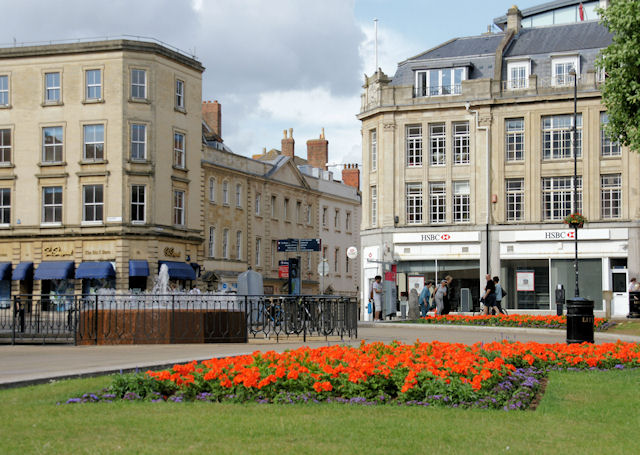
pixel 138 267
pixel 23 271
pixel 54 270
pixel 5 270
pixel 179 270
pixel 97 269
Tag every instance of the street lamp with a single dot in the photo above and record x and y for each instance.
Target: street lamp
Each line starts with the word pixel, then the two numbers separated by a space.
pixel 574 208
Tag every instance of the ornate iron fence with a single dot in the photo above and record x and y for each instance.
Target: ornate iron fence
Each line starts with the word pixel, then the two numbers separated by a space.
pixel 174 318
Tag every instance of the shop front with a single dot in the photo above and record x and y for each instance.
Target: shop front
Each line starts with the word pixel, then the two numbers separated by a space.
pixel 56 284
pixel 433 256
pixel 96 275
pixel 5 285
pixel 533 263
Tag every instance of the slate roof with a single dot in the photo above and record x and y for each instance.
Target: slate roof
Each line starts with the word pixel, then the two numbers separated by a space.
pixel 461 47
pixel 559 38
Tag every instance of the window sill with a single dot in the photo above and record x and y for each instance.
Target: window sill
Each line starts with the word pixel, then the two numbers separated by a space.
pixel 182 110
pixel 179 168
pixel 520 161
pixel 5 106
pixel 7 165
pixel 52 103
pixel 50 225
pixel 5 226
pixel 239 207
pixel 52 164
pixel 610 157
pixel 91 223
pixel 93 101
pixel 90 162
pixel 138 223
pixel 141 162
pixel 139 100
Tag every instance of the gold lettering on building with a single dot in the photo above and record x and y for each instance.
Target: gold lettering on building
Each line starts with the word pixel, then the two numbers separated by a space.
pixel 56 251
pixel 171 252
pixel 96 252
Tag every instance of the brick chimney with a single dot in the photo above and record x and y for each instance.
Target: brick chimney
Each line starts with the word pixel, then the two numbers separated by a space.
pixel 288 144
pixel 351 175
pixel 212 116
pixel 514 19
pixel 318 152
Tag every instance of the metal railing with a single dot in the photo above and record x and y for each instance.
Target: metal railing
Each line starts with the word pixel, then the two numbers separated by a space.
pixel 174 318
pixel 437 90
pixel 516 84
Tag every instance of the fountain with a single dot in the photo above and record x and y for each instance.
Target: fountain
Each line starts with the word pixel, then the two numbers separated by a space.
pixel 161 284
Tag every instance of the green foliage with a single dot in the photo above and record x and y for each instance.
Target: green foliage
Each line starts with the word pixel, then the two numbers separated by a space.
pixel 621 62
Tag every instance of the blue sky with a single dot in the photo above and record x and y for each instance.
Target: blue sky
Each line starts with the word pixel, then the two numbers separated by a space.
pixel 272 64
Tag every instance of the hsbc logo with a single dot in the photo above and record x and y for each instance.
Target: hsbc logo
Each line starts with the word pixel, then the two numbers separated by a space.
pixel 435 237
pixel 559 235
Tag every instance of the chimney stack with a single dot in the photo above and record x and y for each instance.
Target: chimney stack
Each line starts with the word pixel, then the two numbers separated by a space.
pixel 288 144
pixel 514 19
pixel 351 175
pixel 318 152
pixel 212 116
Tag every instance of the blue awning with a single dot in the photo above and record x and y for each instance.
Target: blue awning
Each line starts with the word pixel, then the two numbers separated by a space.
pixel 98 269
pixel 23 271
pixel 54 270
pixel 5 270
pixel 179 270
pixel 138 267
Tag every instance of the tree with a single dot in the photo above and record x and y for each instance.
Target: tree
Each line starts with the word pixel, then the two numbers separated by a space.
pixel 621 63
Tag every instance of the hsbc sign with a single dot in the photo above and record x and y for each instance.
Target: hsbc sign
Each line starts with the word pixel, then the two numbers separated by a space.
pixel 436 237
pixel 561 234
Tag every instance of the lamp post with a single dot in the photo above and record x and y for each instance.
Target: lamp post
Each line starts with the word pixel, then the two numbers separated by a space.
pixel 574 145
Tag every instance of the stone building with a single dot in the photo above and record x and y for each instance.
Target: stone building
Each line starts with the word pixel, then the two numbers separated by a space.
pixel 251 203
pixel 100 165
pixel 468 152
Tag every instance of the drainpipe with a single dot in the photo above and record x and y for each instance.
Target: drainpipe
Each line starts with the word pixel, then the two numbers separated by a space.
pixel 486 129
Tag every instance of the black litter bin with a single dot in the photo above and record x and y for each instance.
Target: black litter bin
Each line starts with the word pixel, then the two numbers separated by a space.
pixel 634 304
pixel 579 320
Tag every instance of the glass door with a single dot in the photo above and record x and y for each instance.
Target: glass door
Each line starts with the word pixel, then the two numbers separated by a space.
pixel 620 302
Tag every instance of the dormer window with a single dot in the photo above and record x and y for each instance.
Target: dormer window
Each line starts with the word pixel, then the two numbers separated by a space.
pixel 518 74
pixel 445 81
pixel 561 67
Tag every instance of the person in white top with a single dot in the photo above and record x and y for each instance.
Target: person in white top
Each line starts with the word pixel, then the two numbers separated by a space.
pixel 376 296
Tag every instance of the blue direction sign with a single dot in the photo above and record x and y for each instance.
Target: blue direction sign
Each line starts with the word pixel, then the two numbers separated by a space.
pixel 288 245
pixel 310 244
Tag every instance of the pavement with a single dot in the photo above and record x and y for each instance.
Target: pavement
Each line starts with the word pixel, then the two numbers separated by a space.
pixel 22 365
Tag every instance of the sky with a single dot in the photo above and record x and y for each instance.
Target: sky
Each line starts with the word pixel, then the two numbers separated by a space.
pixel 272 64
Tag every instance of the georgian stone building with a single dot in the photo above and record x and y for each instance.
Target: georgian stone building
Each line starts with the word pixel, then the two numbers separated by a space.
pixel 251 203
pixel 468 158
pixel 100 165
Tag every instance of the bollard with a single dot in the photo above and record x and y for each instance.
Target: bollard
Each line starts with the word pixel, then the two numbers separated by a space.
pixel 579 320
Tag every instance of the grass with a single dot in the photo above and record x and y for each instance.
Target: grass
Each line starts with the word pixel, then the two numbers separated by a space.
pixel 626 327
pixel 581 412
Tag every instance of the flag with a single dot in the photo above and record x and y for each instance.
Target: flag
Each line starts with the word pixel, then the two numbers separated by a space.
pixel 581 9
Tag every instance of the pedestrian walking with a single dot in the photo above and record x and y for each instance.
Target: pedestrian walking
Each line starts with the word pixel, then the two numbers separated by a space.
pixel 500 294
pixel 425 298
pixel 441 294
pixel 489 297
pixel 376 297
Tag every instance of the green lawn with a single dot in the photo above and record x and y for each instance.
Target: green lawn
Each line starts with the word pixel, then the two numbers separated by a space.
pixel 626 327
pixel 581 412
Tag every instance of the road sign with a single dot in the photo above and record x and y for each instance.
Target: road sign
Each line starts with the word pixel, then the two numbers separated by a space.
pixel 352 252
pixel 283 269
pixel 310 244
pixel 288 245
pixel 323 268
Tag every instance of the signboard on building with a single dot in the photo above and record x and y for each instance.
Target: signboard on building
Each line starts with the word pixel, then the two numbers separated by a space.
pixel 283 269
pixel 310 244
pixel 562 234
pixel 288 245
pixel 436 237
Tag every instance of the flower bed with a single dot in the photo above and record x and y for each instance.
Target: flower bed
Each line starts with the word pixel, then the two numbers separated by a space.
pixel 496 375
pixel 512 320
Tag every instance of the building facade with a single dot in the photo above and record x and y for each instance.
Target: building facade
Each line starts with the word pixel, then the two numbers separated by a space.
pixel 100 174
pixel 469 157
pixel 251 203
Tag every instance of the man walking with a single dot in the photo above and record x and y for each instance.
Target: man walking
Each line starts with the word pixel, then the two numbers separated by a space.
pixel 489 297
pixel 425 296
pixel 441 294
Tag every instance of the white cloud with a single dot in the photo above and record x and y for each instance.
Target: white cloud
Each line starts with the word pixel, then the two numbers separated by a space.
pixel 393 48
